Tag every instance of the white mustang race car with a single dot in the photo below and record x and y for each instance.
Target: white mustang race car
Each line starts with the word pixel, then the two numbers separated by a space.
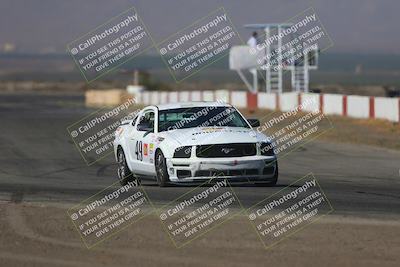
pixel 193 141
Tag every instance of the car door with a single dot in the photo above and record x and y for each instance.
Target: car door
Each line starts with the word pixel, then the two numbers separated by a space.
pixel 131 137
pixel 141 143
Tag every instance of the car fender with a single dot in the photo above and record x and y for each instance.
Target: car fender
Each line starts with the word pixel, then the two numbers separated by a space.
pixel 168 146
pixel 120 140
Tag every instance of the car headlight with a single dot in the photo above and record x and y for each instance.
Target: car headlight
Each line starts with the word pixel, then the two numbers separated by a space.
pixel 267 149
pixel 183 152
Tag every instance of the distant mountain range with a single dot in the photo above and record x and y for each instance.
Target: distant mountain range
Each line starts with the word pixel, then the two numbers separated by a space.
pixel 333 68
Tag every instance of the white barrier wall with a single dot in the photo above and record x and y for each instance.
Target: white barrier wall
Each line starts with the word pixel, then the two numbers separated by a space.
pixel 288 101
pixel 146 98
pixel 310 102
pixel 222 95
pixel 358 106
pixel 173 97
pixel 184 96
pixel 154 98
pixel 239 99
pixel 266 101
pixel 163 97
pixel 196 95
pixel 387 108
pixel 333 104
pixel 138 97
pixel 208 96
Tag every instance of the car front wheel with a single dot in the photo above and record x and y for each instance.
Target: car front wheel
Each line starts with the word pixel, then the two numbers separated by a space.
pixel 274 180
pixel 161 169
pixel 124 174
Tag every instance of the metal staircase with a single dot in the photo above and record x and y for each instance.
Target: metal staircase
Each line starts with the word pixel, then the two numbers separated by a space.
pixel 300 75
pixel 242 58
pixel 273 79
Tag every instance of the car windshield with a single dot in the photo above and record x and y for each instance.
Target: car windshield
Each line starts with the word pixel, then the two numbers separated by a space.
pixel 181 118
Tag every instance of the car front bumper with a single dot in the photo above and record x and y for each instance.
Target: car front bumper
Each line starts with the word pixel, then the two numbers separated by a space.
pixel 252 168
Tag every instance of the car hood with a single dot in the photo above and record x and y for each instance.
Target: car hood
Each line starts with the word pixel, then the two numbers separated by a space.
pixel 214 135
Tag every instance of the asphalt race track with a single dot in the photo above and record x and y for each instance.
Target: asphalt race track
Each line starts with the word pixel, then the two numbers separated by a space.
pixel 42 175
pixel 39 163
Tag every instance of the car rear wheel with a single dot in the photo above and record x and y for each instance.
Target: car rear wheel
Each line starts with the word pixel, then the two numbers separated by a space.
pixel 124 174
pixel 161 169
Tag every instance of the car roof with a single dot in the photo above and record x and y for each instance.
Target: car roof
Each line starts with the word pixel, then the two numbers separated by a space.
pixel 192 104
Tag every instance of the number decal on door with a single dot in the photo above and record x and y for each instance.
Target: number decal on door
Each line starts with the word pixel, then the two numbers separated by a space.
pixel 139 150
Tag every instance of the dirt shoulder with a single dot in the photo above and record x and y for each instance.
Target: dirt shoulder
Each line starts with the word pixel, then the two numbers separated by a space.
pixel 37 235
pixel 378 133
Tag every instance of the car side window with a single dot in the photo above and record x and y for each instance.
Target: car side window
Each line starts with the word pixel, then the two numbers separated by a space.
pixel 146 122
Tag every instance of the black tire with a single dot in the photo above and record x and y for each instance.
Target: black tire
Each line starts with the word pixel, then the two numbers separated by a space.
pixel 124 173
pixel 274 179
pixel 161 169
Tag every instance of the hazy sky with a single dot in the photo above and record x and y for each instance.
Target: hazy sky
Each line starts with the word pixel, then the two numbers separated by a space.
pixel 362 26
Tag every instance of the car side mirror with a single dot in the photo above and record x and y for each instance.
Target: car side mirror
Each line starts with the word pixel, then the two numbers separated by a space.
pixel 254 122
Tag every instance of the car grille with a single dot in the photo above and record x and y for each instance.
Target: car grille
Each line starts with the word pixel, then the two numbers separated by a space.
pixel 226 150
